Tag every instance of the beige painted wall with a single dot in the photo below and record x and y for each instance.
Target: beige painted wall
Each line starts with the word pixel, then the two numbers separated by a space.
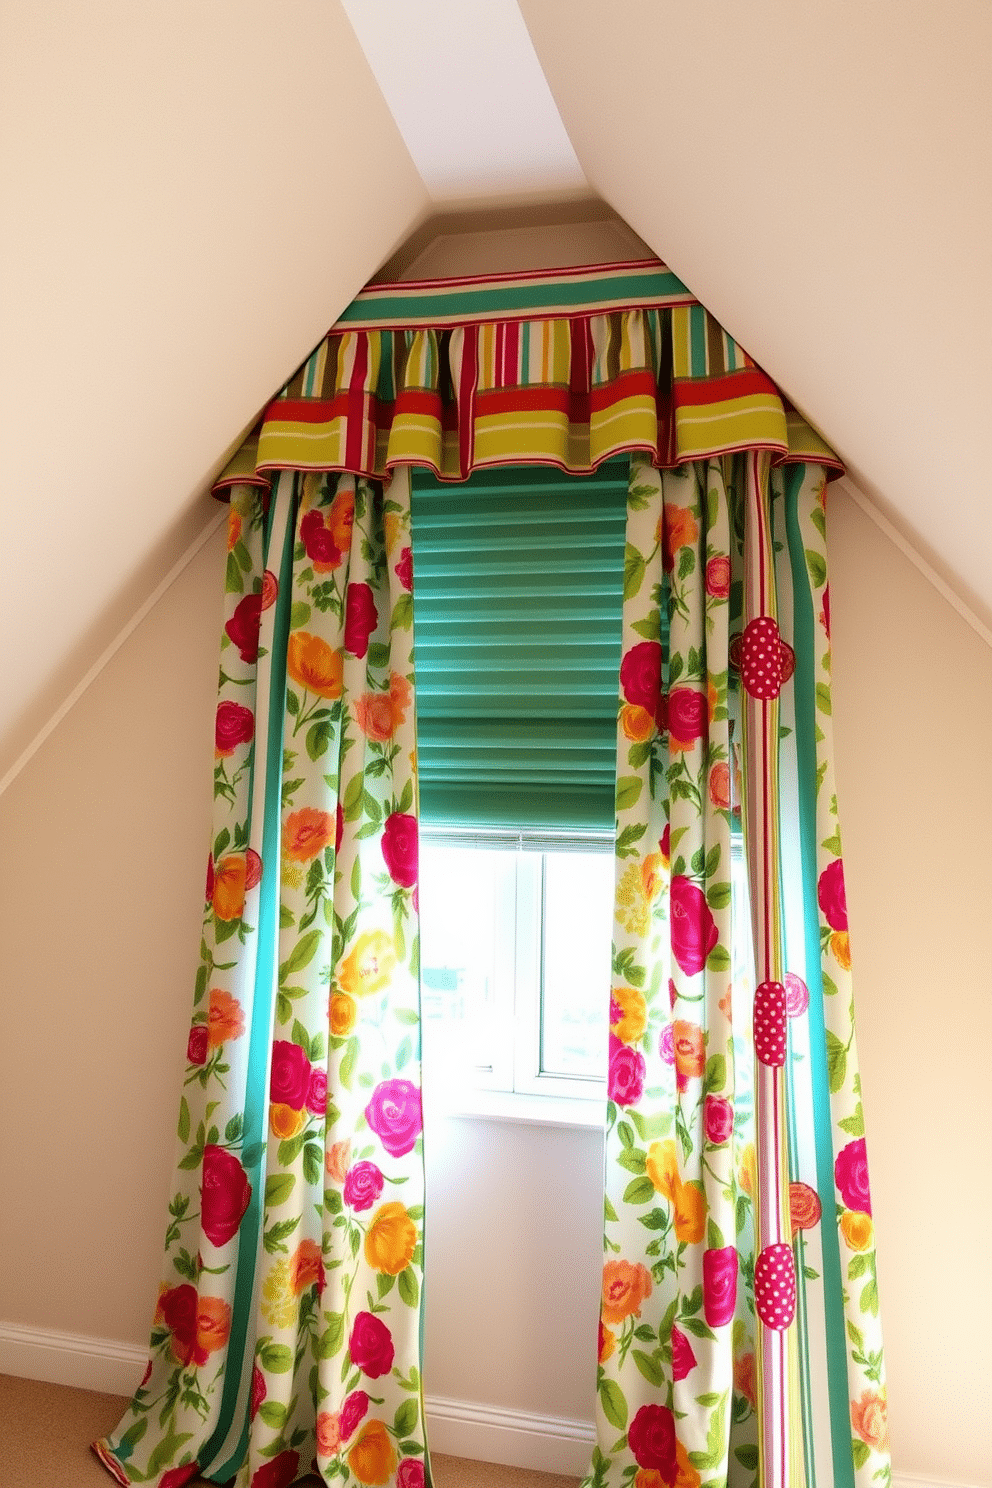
pixel 102 847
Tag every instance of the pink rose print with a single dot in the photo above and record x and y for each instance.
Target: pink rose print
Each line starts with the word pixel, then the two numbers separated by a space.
pixel 400 848
pixel 353 1411
pixel 316 1101
pixel 394 1113
pixel 627 1069
pixel 257 1390
pixel 178 1477
pixel 403 568
pixel 688 716
pixel 371 1347
pixel 851 1176
pixel 363 1184
pixel 666 1044
pixel 719 1285
pixel 718 577
pixel 651 1439
pixel 278 1473
pixel 233 725
pixel 796 995
pixel 289 1084
pixel 338 828
pixel 832 895
pixel 411 1473
pixel 640 678
pixel 242 628
pixel 694 933
pixel 718 1119
pixel 683 1359
pixel 361 619
pixel 224 1194
pixel 319 540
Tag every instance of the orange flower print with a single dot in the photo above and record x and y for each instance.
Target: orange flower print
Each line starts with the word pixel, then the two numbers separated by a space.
pixel 690 1050
pixel 391 1239
pixel 369 967
pixel 689 1213
pixel 337 1160
pixel 686 1475
pixel 719 785
pixel 306 1268
pixel 636 722
pixel 313 665
pixel 747 1177
pixel 857 1229
pixel 679 531
pixel 198 1326
pixel 746 1379
pixel 213 1327
pixel 840 944
pixel 626 1284
pixel 805 1208
pixel 663 1169
pixel 342 1013
pixel 870 1419
pixel 607 1343
pixel 341 518
pixel 225 1020
pixel 286 1121
pixel 306 833
pixel 374 715
pixel 653 876
pixel 628 1014
pixel 328 1433
pixel 229 887
pixel 400 695
pixel 233 528
pixel 372 1458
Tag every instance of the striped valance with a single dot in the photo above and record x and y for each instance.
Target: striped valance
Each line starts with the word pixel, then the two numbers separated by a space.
pixel 565 369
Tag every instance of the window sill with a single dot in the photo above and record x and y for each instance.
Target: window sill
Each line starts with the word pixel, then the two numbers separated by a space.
pixel 503 1106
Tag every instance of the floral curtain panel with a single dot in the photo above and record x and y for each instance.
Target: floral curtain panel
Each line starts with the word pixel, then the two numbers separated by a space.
pixel 287 1332
pixel 739 1336
pixel 738 1339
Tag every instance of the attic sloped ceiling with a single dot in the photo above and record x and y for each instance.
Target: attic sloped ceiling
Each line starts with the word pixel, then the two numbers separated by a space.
pixel 191 194
pixel 820 175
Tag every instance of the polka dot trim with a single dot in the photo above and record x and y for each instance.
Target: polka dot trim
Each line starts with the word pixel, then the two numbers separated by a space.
pixel 775 1286
pixel 770 1023
pixel 761 658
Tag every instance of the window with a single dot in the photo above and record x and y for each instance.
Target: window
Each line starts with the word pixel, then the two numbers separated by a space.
pixel 517 614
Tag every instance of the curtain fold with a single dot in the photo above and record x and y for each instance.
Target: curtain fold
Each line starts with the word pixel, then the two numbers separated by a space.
pixel 738 1337
pixel 287 1332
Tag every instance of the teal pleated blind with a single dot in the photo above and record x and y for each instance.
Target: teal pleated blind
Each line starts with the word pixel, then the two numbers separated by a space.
pixel 517 625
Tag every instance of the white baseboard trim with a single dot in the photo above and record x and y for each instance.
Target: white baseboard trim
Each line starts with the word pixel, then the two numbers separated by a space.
pixel 456 1428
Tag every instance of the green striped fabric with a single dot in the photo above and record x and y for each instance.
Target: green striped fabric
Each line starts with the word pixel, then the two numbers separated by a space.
pixel 517 603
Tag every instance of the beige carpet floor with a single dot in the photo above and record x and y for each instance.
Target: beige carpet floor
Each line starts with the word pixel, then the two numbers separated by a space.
pixel 48 1429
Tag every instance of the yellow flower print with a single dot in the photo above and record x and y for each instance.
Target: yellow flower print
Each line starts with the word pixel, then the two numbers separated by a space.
pixel 279 1305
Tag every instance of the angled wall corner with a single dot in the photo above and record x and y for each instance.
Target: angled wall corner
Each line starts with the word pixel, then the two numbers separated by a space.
pixel 198 192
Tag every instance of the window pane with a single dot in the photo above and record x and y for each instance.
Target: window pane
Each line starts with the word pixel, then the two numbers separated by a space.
pixel 578 927
pixel 463 897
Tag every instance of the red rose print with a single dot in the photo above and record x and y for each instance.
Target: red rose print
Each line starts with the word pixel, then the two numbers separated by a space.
pixel 651 1439
pixel 694 933
pixel 197 1044
pixel 805 1208
pixel 319 540
pixel 363 1184
pixel 177 1477
pixel 278 1473
pixel 361 619
pixel 289 1084
pixel 832 895
pixel 257 1390
pixel 316 1101
pixel 400 848
pixel 718 1119
pixel 826 611
pixel 719 1285
pixel 718 577
pixel 353 1411
pixel 851 1176
pixel 177 1310
pixel 395 1115
pixel 233 725
pixel 370 1346
pixel 224 1194
pixel 683 1359
pixel 242 628
pixel 640 675
pixel 253 868
pixel 270 589
pixel 626 1073
pixel 688 717
pixel 338 828
pixel 404 569
pixel 210 880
